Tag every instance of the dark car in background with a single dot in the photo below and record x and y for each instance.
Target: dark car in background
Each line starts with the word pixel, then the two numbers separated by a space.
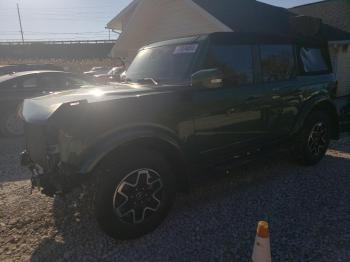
pixel 18 86
pixel 201 101
pixel 8 69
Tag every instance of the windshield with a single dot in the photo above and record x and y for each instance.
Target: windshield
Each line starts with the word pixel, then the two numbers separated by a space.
pixel 164 64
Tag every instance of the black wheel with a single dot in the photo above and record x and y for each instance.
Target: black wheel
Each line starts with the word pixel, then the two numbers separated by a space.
pixel 134 193
pixel 11 124
pixel 314 139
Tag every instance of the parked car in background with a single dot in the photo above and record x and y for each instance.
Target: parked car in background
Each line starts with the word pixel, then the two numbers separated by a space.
pixel 97 70
pixel 200 101
pixel 18 86
pixel 8 69
pixel 112 75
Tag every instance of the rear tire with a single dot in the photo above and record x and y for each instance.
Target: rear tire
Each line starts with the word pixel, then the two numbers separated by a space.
pixel 134 193
pixel 313 141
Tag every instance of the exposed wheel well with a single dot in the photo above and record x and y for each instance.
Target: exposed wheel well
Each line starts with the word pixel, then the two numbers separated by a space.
pixel 330 109
pixel 169 151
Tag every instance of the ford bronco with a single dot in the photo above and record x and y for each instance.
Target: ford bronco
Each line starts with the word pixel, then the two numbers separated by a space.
pixel 197 101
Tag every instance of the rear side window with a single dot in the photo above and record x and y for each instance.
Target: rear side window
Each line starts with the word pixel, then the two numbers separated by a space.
pixel 313 60
pixel 236 62
pixel 277 62
pixel 47 82
pixel 30 82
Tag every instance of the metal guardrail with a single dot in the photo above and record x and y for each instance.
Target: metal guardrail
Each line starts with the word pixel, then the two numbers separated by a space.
pixel 58 42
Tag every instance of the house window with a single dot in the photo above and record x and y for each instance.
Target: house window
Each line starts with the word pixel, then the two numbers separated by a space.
pixel 277 62
pixel 313 60
pixel 236 62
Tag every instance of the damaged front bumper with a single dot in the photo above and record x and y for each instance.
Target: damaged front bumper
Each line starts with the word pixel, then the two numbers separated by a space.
pixel 60 179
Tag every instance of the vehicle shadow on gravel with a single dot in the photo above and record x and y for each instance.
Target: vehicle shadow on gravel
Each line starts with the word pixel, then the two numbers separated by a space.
pixel 308 209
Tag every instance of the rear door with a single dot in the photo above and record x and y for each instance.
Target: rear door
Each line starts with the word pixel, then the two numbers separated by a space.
pixel 279 81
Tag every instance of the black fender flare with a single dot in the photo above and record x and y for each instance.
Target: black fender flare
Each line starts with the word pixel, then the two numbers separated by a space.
pixel 113 140
pixel 318 103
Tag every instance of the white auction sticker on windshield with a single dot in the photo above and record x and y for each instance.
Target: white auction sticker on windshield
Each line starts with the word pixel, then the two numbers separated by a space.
pixel 186 49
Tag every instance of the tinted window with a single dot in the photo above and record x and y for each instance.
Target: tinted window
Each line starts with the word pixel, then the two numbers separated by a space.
pixel 235 61
pixel 49 82
pixel 277 62
pixel 313 60
pixel 30 83
pixel 10 84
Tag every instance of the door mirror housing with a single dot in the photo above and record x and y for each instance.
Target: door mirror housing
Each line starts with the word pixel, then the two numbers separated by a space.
pixel 208 78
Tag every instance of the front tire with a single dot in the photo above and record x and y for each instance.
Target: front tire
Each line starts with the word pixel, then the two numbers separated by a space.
pixel 134 193
pixel 313 141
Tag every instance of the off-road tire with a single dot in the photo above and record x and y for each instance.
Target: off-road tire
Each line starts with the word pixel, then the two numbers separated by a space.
pixel 111 175
pixel 304 151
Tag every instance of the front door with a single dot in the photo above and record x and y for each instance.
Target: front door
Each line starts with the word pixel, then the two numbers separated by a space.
pixel 229 118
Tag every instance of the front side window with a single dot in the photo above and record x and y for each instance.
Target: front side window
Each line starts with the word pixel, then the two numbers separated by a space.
pixel 277 62
pixel 313 60
pixel 236 62
pixel 165 63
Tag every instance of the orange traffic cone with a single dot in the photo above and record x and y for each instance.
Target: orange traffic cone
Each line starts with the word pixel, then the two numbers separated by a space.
pixel 261 251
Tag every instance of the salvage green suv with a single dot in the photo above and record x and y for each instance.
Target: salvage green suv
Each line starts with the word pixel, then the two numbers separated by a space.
pixel 198 101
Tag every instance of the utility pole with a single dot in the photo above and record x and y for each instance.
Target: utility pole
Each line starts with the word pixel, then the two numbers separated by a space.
pixel 109 34
pixel 20 22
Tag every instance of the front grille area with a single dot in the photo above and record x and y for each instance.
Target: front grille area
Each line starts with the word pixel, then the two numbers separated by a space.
pixel 36 144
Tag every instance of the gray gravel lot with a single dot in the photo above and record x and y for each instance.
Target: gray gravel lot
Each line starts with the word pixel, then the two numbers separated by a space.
pixel 308 209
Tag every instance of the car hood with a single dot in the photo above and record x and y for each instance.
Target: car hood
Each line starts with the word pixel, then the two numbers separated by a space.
pixel 41 108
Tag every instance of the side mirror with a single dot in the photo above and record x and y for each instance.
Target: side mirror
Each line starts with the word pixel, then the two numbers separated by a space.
pixel 207 78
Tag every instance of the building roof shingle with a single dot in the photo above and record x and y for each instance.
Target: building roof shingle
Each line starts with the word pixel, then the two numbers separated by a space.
pixel 254 16
pixel 335 13
pixel 248 15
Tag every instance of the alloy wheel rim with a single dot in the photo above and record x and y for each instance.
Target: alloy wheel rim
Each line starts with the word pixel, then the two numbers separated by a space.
pixel 317 141
pixel 138 196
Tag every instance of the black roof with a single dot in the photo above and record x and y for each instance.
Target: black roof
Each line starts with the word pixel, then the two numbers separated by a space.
pixel 334 34
pixel 262 38
pixel 248 15
pixel 225 38
pixel 254 16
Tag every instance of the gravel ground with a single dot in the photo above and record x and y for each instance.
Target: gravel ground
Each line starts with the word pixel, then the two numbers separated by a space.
pixel 308 209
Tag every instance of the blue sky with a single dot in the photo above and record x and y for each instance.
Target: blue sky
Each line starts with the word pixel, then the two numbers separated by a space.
pixel 70 19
